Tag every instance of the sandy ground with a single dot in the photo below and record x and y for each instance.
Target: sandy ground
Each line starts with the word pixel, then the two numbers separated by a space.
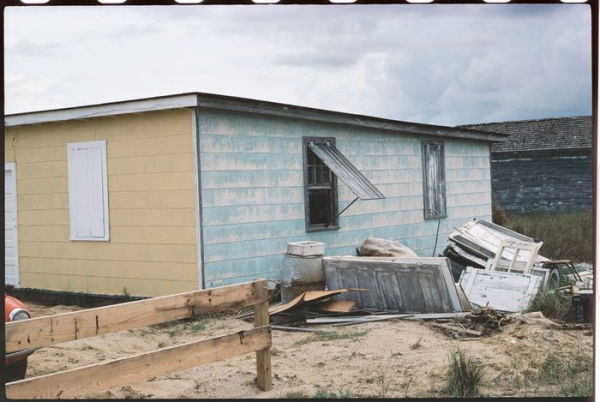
pixel 382 359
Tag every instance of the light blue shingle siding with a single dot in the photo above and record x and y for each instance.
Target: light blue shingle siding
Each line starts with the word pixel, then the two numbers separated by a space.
pixel 253 195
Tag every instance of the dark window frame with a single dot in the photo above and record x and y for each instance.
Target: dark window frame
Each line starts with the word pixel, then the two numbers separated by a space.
pixel 334 187
pixel 428 214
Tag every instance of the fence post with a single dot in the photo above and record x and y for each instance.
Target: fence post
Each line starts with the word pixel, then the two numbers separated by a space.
pixel 263 357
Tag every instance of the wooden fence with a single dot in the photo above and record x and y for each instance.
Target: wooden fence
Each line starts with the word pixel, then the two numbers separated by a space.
pixel 65 327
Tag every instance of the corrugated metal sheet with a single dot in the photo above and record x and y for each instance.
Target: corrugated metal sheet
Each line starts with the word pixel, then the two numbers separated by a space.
pixel 346 171
pixel 406 285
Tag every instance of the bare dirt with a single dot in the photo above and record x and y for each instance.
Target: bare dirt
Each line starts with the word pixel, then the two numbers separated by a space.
pixel 393 359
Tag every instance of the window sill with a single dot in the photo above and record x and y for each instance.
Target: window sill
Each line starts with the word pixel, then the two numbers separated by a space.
pixel 430 218
pixel 322 228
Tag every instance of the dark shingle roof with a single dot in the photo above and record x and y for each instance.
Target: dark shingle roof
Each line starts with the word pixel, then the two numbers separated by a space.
pixel 542 134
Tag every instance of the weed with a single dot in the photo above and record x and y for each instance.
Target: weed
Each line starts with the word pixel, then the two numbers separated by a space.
pixel 199 326
pixel 572 372
pixel 499 215
pixel 172 331
pixel 125 292
pixel 405 386
pixel 332 394
pixel 416 345
pixel 566 235
pixel 296 395
pixel 552 304
pixel 464 375
pixel 332 336
pixel 382 381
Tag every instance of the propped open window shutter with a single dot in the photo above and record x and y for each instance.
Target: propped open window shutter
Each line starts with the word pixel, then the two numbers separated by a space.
pixel 88 190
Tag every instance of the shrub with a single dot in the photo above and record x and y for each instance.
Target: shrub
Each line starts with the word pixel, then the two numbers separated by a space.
pixel 463 375
pixel 552 304
pixel 499 216
pixel 332 394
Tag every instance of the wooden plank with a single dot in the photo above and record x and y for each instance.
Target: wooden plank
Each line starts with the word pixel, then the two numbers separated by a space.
pixel 377 318
pixel 58 328
pixel 298 329
pixel 263 356
pixel 97 377
pixel 337 306
pixel 456 329
pixel 436 316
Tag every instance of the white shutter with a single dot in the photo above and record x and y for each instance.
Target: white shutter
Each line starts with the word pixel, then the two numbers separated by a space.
pixel 88 190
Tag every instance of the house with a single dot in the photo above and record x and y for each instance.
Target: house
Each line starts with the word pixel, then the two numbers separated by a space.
pixel 544 165
pixel 169 194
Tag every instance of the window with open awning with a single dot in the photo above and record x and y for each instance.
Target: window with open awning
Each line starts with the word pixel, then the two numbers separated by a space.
pixel 323 165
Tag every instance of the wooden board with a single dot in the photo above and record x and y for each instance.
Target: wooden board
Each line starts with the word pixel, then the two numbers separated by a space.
pixel 337 306
pixel 263 356
pixel 97 377
pixel 311 295
pixel 404 285
pixel 58 328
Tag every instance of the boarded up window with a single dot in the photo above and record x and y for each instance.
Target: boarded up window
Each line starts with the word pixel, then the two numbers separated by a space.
pixel 434 183
pixel 88 190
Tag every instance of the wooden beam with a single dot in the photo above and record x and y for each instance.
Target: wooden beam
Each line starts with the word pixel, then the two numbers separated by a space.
pixel 456 329
pixel 97 377
pixel 58 328
pixel 263 357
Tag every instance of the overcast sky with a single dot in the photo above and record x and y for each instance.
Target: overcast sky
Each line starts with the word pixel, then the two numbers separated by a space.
pixel 438 64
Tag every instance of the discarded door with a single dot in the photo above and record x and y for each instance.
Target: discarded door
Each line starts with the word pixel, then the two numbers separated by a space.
pixel 406 285
pixel 505 291
pixel 478 241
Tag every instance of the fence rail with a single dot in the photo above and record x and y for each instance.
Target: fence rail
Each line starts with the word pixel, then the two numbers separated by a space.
pixel 59 328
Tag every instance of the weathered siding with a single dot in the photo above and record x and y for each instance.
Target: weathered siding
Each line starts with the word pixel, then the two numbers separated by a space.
pixel 151 188
pixel 253 202
pixel 543 183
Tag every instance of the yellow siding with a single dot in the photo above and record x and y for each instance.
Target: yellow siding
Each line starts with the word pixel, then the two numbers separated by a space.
pixel 153 245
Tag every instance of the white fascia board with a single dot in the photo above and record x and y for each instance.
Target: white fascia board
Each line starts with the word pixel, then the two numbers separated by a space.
pixel 109 109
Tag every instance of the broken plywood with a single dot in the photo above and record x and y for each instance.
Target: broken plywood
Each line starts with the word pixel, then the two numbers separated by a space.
pixel 415 285
pixel 505 291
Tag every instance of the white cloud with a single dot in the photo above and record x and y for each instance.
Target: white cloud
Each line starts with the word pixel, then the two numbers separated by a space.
pixel 437 64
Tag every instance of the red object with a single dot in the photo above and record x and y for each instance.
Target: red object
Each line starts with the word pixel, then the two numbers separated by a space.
pixel 17 364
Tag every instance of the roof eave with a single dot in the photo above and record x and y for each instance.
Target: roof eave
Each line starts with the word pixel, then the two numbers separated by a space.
pixel 222 102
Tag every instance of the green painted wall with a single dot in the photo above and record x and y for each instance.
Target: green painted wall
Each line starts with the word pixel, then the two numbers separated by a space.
pixel 253 195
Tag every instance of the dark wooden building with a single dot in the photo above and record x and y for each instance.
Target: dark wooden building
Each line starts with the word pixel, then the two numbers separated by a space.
pixel 543 165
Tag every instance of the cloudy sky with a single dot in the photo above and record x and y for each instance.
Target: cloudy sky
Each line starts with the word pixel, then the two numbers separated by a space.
pixel 439 64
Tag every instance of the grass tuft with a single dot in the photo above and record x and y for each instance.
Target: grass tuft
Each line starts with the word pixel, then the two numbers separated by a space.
pixel 332 394
pixel 464 375
pixel 552 304
pixel 574 373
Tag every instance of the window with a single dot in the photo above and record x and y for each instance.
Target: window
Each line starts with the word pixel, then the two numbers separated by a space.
pixel 320 193
pixel 88 191
pixel 434 183
pixel 323 164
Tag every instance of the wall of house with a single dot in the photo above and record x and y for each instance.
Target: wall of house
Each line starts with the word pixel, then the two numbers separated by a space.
pixel 151 188
pixel 253 195
pixel 543 182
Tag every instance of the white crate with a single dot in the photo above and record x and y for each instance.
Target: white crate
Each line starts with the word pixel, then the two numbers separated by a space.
pixel 306 248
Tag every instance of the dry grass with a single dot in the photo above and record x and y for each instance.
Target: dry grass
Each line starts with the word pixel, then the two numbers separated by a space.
pixel 572 372
pixel 552 304
pixel 566 235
